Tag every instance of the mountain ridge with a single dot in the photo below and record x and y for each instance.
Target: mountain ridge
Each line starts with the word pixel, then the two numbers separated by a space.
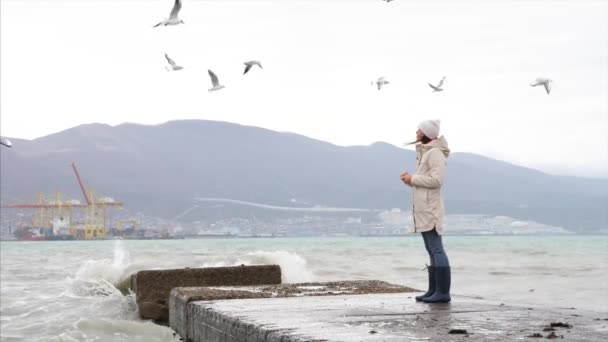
pixel 160 168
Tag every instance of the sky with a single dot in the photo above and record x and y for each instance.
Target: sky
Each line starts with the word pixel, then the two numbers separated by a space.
pixel 65 63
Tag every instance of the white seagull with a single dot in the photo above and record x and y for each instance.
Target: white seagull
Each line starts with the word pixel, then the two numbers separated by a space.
pixel 173 19
pixel 544 82
pixel 381 81
pixel 438 86
pixel 250 64
pixel 173 66
pixel 387 1
pixel 5 142
pixel 214 81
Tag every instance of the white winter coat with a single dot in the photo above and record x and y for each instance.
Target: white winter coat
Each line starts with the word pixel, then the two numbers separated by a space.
pixel 428 208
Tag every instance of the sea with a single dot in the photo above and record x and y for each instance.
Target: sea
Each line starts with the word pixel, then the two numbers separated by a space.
pixel 65 290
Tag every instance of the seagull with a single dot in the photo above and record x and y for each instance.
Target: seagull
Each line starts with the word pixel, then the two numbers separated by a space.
pixel 173 19
pixel 214 81
pixel 387 1
pixel 544 82
pixel 6 142
pixel 251 64
pixel 438 86
pixel 380 82
pixel 173 66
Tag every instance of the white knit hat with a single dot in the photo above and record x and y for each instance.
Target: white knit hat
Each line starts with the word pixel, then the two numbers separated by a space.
pixel 430 128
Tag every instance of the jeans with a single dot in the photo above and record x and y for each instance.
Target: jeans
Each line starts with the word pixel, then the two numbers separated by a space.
pixel 434 246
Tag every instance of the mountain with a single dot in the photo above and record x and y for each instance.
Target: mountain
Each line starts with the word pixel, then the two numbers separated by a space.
pixel 159 169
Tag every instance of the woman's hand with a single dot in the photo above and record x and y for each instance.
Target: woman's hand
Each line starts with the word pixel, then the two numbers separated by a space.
pixel 406 178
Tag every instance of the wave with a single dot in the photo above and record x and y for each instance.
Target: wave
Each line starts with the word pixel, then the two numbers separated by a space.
pixel 101 277
pixel 294 267
pixel 115 330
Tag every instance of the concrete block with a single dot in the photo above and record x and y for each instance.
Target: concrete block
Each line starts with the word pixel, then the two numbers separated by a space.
pixel 152 287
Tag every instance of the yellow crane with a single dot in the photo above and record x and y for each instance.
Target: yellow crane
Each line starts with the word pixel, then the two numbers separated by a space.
pixel 96 216
pixel 50 215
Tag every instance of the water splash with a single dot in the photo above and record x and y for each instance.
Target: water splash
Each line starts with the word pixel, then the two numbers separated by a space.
pixel 121 255
pixel 101 277
pixel 294 267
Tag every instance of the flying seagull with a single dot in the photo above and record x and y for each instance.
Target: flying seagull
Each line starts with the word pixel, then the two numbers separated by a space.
pixel 250 64
pixel 6 142
pixel 173 19
pixel 438 86
pixel 173 65
pixel 381 82
pixel 214 81
pixel 387 1
pixel 544 82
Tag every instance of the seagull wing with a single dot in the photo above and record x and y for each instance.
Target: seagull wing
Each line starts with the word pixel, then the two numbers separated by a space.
pixel 6 142
pixel 247 68
pixel 214 81
pixel 441 82
pixel 547 87
pixel 170 60
pixel 538 81
pixel 434 88
pixel 176 7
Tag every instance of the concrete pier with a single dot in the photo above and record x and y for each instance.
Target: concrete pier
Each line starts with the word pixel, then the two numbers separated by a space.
pixel 184 319
pixel 368 317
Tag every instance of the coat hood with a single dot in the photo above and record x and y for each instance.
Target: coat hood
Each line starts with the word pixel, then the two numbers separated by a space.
pixel 439 143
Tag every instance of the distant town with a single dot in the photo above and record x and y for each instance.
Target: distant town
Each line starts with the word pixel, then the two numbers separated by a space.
pixel 16 225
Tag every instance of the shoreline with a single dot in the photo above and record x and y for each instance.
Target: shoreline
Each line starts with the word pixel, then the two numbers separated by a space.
pixel 409 235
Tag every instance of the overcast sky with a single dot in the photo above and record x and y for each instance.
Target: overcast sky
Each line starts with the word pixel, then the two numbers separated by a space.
pixel 66 63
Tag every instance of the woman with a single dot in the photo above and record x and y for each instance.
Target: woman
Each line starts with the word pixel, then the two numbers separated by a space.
pixel 426 182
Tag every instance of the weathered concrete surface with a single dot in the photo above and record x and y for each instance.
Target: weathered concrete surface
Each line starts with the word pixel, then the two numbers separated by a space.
pixel 152 287
pixel 183 319
pixel 383 317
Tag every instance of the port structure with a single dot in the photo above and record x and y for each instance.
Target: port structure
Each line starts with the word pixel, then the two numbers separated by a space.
pixel 94 226
pixel 54 218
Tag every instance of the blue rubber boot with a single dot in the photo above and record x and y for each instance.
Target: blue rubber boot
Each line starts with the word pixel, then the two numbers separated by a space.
pixel 442 288
pixel 431 289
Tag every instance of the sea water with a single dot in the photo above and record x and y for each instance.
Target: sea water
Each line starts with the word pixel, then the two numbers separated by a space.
pixel 64 290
